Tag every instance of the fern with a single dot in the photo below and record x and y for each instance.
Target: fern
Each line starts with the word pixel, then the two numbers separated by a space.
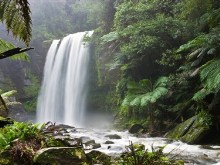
pixel 4 46
pixel 16 16
pixel 210 77
pixel 143 93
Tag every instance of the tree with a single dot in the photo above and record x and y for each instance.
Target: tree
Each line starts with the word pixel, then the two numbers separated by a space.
pixel 16 16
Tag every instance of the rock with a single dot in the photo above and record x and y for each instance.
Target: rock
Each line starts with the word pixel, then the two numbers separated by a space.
pixel 17 112
pixel 136 128
pixel 109 142
pixel 91 144
pixel 96 145
pixel 114 136
pixel 97 157
pixel 191 131
pixel 85 139
pixel 60 155
pixel 5 121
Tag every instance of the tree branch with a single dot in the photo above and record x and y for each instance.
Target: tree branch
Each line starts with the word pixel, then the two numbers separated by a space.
pixel 13 52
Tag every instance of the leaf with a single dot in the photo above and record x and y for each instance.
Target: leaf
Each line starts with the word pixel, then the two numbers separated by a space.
pixel 4 46
pixel 16 15
pixel 112 36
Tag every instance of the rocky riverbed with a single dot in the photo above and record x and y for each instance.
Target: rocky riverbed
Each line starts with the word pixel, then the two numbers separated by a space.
pixel 113 143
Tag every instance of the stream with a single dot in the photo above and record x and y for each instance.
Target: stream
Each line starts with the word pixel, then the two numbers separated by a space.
pixel 191 154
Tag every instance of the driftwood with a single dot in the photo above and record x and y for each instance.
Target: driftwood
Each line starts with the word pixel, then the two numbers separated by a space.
pixel 13 52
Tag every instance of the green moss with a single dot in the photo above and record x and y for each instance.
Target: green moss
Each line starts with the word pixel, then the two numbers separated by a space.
pixel 193 130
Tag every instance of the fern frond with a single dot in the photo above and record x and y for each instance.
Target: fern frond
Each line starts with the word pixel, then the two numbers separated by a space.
pixel 210 75
pixel 162 82
pixel 200 95
pixel 16 15
pixel 195 43
pixel 158 93
pixel 4 46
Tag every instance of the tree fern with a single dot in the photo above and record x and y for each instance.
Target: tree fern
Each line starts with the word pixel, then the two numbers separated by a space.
pixel 210 77
pixel 16 16
pixel 143 93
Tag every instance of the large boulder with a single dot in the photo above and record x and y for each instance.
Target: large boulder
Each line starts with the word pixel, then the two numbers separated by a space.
pixel 136 128
pixel 60 155
pixel 97 157
pixel 192 131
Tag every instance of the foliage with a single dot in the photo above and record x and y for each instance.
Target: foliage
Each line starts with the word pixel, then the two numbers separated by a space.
pixel 137 155
pixel 31 93
pixel 205 119
pixel 4 46
pixel 144 93
pixel 22 131
pixel 16 15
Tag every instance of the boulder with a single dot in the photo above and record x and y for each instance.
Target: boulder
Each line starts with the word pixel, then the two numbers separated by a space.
pixel 60 155
pixel 17 112
pixel 97 157
pixel 85 139
pixel 136 128
pixel 114 136
pixel 192 131
pixel 109 142
pixel 91 144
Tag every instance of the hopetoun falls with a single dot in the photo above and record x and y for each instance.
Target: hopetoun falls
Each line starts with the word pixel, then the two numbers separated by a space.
pixel 110 82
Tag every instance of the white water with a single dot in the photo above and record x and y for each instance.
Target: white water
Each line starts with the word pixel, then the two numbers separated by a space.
pixel 63 92
pixel 191 154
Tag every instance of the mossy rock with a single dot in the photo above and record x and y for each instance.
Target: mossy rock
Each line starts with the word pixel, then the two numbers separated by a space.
pixel 97 157
pixel 61 155
pixel 191 131
pixel 181 129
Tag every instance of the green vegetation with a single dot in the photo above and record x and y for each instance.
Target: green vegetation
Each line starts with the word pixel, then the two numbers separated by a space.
pixel 137 155
pixel 31 92
pixel 146 42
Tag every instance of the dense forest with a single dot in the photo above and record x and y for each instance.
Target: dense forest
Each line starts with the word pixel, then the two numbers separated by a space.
pixel 154 65
pixel 161 63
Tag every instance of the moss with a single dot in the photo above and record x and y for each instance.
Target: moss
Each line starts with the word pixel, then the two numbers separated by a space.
pixel 192 131
pixel 181 129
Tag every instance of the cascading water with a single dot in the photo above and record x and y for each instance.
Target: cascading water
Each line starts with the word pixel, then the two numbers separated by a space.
pixel 63 92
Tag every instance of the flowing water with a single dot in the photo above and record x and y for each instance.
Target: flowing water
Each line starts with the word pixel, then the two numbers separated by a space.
pixel 191 154
pixel 63 96
pixel 63 93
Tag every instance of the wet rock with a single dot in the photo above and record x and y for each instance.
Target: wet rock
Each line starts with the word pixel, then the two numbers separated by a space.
pixel 136 128
pixel 114 136
pixel 96 145
pixel 191 131
pixel 60 155
pixel 17 112
pixel 97 157
pixel 91 144
pixel 109 142
pixel 85 139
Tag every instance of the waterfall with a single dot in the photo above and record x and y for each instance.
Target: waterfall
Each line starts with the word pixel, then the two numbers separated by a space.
pixel 64 88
